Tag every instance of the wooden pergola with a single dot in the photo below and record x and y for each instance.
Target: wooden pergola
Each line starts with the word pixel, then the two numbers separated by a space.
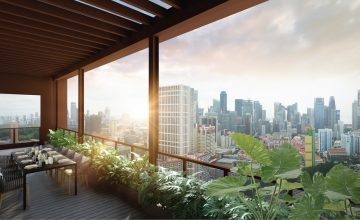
pixel 44 42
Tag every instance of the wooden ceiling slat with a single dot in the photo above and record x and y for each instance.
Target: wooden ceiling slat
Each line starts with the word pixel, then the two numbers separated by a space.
pixel 6 57
pixel 49 30
pixel 36 16
pixel 35 55
pixel 148 6
pixel 46 41
pixel 67 16
pixel 173 3
pixel 94 13
pixel 121 10
pixel 49 35
pixel 31 43
pixel 29 70
pixel 11 45
pixel 29 64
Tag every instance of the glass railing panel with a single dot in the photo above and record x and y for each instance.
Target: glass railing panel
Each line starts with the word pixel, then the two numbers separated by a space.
pixel 6 136
pixel 28 134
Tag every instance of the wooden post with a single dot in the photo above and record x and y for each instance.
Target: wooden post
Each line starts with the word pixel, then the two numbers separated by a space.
pixel 153 98
pixel 81 106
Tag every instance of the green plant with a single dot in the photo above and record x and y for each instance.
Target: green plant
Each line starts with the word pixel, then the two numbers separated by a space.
pixel 276 166
pixel 59 139
pixel 330 196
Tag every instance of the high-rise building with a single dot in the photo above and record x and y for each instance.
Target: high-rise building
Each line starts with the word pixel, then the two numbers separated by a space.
pixel 248 107
pixel 346 143
pixel 355 142
pixel 239 103
pixel 177 119
pixel 358 110
pixel 332 113
pixel 223 102
pixel 319 113
pixel 205 140
pixel 215 108
pixel 310 113
pixel 279 117
pixel 325 139
pixel 73 114
pixel 355 115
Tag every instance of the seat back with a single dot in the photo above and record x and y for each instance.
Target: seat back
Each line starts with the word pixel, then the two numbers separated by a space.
pixel 77 158
pixel 70 154
pixel 64 150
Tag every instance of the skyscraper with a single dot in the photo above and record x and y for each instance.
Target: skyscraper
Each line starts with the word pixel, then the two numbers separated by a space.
pixel 319 113
pixel 239 103
pixel 332 113
pixel 358 110
pixel 177 119
pixel 355 115
pixel 73 114
pixel 325 139
pixel 223 102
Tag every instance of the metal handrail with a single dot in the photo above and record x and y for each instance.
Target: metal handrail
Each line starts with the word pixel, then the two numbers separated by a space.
pixel 185 160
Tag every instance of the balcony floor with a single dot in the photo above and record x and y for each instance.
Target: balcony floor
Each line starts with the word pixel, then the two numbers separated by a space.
pixel 48 200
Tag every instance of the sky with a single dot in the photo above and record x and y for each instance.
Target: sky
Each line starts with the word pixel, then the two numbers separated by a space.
pixel 279 51
pixel 19 105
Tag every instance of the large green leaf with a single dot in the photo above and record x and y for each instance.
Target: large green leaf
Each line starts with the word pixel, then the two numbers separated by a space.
pixel 229 186
pixel 316 186
pixel 343 183
pixel 285 164
pixel 308 208
pixel 252 147
pixel 285 185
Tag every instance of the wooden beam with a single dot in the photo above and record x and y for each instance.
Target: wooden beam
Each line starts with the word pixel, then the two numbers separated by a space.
pixel 33 45
pixel 9 43
pixel 40 27
pixel 153 99
pixel 148 6
pixel 81 121
pixel 36 16
pixel 60 13
pixel 121 10
pixel 94 13
pixel 34 54
pixel 49 36
pixel 28 39
pixel 174 3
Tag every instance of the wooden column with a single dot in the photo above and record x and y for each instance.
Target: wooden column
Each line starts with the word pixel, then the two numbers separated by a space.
pixel 153 98
pixel 81 106
pixel 61 103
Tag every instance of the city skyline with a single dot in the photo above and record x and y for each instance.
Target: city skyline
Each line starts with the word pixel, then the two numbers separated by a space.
pixel 290 58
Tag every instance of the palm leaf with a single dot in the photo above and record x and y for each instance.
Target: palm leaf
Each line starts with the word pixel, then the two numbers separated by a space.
pixel 229 186
pixel 252 147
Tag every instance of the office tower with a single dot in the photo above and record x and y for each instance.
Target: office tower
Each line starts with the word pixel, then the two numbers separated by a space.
pixel 215 108
pixel 319 113
pixel 248 124
pixel 338 130
pixel 223 102
pixel 346 143
pixel 338 115
pixel 279 117
pixel 308 150
pixel 205 139
pixel 248 107
pixel 263 115
pixel 177 119
pixel 291 112
pixel 310 113
pixel 325 139
pixel 74 114
pixel 355 115
pixel 239 103
pixel 358 110
pixel 332 112
pixel 257 117
pixel 227 121
pixel 326 117
pixel 355 142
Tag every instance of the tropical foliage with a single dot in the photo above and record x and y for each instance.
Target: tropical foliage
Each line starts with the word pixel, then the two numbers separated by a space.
pixel 261 188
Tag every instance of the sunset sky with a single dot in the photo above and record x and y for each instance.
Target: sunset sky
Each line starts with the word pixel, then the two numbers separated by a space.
pixel 279 51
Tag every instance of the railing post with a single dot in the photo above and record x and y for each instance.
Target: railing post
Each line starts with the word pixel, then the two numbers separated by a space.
pixel 131 152
pixel 153 98
pixel 13 135
pixel 184 167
